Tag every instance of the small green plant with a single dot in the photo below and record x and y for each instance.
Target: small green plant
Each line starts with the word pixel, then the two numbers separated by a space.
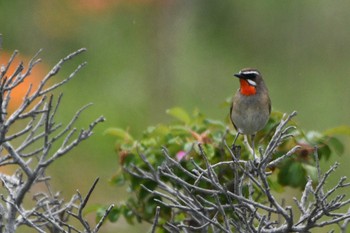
pixel 170 156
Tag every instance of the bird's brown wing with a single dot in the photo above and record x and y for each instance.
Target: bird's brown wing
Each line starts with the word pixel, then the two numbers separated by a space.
pixel 231 117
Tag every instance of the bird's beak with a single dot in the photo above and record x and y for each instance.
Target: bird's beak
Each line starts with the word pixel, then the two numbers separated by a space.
pixel 238 75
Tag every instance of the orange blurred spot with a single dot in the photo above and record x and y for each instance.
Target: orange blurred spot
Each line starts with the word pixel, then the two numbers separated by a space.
pixel 96 5
pixel 18 93
pixel 102 5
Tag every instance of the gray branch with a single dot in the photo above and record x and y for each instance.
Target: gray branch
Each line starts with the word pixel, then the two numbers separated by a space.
pixel 32 149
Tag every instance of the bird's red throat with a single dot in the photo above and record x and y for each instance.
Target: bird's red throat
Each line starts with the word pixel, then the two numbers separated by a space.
pixel 246 88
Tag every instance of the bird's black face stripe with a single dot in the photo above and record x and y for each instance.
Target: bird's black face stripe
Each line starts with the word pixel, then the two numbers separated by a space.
pixel 250 76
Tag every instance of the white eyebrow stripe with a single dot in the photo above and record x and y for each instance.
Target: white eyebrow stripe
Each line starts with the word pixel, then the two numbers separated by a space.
pixel 251 82
pixel 250 72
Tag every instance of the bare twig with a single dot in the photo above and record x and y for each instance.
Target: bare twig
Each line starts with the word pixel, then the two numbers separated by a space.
pixel 155 223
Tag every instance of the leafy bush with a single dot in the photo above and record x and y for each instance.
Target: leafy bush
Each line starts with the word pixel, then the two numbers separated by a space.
pixel 168 156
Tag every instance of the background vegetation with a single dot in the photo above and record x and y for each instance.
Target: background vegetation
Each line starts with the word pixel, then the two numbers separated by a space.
pixel 145 56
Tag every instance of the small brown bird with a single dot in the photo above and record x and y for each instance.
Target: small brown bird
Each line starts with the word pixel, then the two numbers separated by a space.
pixel 251 105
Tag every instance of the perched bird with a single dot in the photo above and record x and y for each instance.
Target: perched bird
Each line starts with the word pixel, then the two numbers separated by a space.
pixel 251 105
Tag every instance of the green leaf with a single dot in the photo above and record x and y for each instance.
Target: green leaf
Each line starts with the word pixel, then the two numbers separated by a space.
pixel 94 208
pixel 161 130
pixel 275 186
pixel 150 129
pixel 297 176
pixel 129 159
pixel 324 151
pixel 188 146
pixel 215 123
pixel 161 230
pixel 179 129
pixel 143 194
pixel 128 215
pixel 209 150
pixel 180 217
pixel 276 115
pixel 337 145
pixel 118 180
pixel 151 205
pixel 149 142
pixel 119 133
pixel 311 171
pixel 340 130
pixel 114 215
pixel 179 114
pixel 175 140
pixel 292 174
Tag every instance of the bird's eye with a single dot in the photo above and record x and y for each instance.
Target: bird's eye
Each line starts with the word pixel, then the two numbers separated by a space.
pixel 250 75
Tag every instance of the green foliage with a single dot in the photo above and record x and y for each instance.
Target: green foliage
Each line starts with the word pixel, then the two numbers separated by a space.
pixel 181 139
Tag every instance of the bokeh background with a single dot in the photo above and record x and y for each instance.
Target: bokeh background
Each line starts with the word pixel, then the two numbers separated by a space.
pixel 145 56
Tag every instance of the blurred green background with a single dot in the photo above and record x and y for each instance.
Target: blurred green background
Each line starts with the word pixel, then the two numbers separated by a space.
pixel 145 56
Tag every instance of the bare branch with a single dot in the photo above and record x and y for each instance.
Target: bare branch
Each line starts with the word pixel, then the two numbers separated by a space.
pixel 155 223
pixel 30 150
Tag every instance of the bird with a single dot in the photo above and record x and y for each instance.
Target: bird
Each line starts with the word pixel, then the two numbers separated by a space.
pixel 251 105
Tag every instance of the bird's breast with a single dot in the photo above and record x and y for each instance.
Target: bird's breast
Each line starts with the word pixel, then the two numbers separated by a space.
pixel 250 113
